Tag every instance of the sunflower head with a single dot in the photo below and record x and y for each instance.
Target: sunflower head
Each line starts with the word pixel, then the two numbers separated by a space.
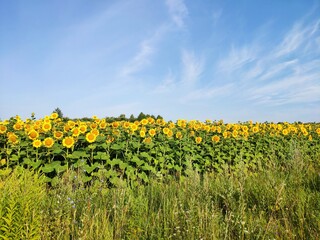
pixel 147 140
pixel 46 126
pixel 152 132
pixel 91 137
pixel 215 139
pixel 36 143
pixel 13 138
pixel 3 129
pixel 48 142
pixel 179 135
pixel 33 134
pixel 142 133
pixel 68 142
pixel 198 140
pixel 58 134
pixel 54 115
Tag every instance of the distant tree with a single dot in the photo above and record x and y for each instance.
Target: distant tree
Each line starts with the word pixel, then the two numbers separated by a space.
pixel 141 116
pixel 59 112
pixel 159 117
pixel 122 117
pixel 132 118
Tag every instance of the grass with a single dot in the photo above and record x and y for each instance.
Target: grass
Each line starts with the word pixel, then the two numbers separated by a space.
pixel 280 201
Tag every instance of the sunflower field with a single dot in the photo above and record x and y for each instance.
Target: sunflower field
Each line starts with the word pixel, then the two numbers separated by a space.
pixel 123 152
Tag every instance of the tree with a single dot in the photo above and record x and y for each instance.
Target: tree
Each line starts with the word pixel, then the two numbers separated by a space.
pixel 132 118
pixel 59 112
pixel 141 116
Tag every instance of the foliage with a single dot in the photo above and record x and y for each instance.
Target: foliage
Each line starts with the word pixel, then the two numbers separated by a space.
pixel 129 153
pixel 280 201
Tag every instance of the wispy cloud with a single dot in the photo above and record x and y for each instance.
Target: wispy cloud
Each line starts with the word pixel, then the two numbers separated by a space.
pixel 216 15
pixel 208 92
pixel 146 50
pixel 193 67
pixel 178 11
pixel 286 73
pixel 292 41
pixel 168 84
pixel 237 58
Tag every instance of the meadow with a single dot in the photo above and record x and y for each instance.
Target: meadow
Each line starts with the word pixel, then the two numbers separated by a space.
pixel 153 179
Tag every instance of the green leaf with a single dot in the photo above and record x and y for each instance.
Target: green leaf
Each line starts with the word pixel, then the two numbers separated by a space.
pixel 50 167
pixel 60 169
pixel 78 154
pixel 136 160
pixel 86 178
pixel 101 156
pixel 80 163
pixel 116 147
pixel 14 157
pixel 143 176
pixel 123 165
pixel 89 169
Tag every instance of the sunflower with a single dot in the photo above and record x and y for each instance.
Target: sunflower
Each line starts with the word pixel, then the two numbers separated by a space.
pixel 102 125
pixel 147 140
pixel 152 132
pixel 66 128
pixel 46 126
pixel 115 124
pixel 144 121
pixel 33 134
pixel 91 137
pixel 18 126
pixel 198 140
pixel 134 127
pixel 58 134
pixel 170 133
pixel 76 132
pixel 71 123
pixel 95 131
pixel 285 132
pixel 109 139
pixel 68 142
pixel 245 128
pixel 318 131
pixel 83 128
pixel 142 133
pixel 178 135
pixel 166 131
pixel 126 124
pixel 13 138
pixel 215 138
pixel 93 125
pixel 54 115
pixel 36 143
pixel 151 120
pixel 3 129
pixel 235 133
pixel 225 134
pixel 48 142
pixel 255 129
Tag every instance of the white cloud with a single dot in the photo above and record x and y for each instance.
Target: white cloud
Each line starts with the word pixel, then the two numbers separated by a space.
pixel 216 15
pixel 193 67
pixel 167 84
pixel 237 58
pixel 285 73
pixel 146 51
pixel 178 11
pixel 208 92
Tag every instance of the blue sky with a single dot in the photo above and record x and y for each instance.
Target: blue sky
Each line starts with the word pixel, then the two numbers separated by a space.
pixel 210 59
